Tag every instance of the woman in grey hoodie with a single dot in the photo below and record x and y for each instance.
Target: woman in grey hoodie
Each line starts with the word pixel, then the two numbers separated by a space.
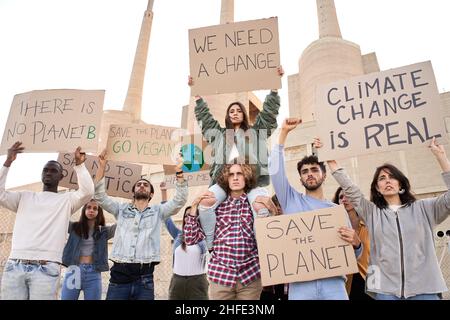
pixel 403 262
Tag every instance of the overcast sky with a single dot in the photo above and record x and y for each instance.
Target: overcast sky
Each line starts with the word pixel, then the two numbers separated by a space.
pixel 90 44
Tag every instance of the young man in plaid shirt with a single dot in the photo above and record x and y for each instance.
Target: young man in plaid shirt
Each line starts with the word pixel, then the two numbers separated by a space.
pixel 233 270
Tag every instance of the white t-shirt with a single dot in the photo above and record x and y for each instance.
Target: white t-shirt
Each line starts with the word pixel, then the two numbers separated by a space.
pixel 42 218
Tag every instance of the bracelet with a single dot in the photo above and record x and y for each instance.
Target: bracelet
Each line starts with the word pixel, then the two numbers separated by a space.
pixel 179 172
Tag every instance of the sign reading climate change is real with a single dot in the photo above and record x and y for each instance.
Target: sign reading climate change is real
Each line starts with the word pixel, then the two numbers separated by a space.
pixel 235 57
pixel 386 111
pixel 304 246
pixel 54 120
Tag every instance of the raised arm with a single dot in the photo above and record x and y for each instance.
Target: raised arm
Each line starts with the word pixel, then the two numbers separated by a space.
pixel 9 200
pixel 267 118
pixel 440 206
pixel 85 190
pixel 171 207
pixel 193 233
pixel 210 126
pixel 172 228
pixel 363 206
pixel 277 169
pixel 100 195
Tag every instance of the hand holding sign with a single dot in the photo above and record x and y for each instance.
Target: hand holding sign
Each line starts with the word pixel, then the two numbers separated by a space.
pixel 349 235
pixel 80 157
pixel 12 153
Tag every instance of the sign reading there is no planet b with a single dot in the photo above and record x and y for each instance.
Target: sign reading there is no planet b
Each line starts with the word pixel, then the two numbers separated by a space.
pixel 235 57
pixel 54 120
pixel 385 111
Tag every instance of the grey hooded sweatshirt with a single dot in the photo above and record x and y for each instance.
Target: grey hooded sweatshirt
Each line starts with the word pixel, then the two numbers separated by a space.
pixel 403 259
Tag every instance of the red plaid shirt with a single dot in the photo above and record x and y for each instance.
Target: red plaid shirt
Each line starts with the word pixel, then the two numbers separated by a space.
pixel 235 255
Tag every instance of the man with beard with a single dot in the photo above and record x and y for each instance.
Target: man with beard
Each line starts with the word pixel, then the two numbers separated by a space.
pixel 312 175
pixel 33 268
pixel 136 246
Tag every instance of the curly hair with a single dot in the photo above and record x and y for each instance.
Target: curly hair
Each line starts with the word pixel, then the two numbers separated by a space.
pixel 249 176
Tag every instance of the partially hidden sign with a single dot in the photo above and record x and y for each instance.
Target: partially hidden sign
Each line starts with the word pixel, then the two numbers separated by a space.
pixel 304 246
pixel 119 176
pixel 143 144
pixel 386 111
pixel 54 120
pixel 235 57
pixel 194 150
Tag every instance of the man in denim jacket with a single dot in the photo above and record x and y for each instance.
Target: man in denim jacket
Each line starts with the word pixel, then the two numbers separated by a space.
pixel 136 246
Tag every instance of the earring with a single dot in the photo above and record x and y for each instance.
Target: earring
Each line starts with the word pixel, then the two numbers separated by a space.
pixel 401 191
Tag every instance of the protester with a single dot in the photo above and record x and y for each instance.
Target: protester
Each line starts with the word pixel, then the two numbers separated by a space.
pixel 233 270
pixel 356 283
pixel 33 268
pixel 136 245
pixel 86 254
pixel 242 141
pixel 312 174
pixel 403 259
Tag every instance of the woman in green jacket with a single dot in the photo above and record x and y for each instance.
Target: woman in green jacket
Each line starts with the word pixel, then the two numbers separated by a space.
pixel 238 142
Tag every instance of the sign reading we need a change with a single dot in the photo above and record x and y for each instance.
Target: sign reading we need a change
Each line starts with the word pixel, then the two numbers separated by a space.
pixel 386 111
pixel 304 246
pixel 235 57
pixel 54 120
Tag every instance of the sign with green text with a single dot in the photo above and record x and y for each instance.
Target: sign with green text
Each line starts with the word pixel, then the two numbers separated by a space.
pixel 143 143
pixel 54 120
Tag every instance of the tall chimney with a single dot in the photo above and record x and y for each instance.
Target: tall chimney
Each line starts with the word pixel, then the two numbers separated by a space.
pixel 227 11
pixel 133 100
pixel 328 22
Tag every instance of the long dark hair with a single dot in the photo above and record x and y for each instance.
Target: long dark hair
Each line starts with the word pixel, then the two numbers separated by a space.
pixel 406 198
pixel 336 195
pixel 81 227
pixel 244 124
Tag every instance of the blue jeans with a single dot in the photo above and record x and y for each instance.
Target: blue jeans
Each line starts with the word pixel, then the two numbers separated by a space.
pixel 24 281
pixel 381 296
pixel 322 289
pixel 141 289
pixel 82 277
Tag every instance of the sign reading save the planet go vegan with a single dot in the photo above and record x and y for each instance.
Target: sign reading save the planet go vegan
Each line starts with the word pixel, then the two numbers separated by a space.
pixel 54 120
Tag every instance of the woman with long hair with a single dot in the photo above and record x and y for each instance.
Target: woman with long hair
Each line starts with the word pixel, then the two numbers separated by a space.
pixel 355 283
pixel 238 142
pixel 189 280
pixel 403 262
pixel 86 254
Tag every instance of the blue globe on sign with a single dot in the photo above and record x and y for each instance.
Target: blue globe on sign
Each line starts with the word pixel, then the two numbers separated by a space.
pixel 193 158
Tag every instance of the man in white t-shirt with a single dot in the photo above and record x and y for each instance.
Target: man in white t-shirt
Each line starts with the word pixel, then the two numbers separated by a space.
pixel 33 268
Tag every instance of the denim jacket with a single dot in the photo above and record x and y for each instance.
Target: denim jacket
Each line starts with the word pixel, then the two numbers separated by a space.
pixel 138 234
pixel 71 254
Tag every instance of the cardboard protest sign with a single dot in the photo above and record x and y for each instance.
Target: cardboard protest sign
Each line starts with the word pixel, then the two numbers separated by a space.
pixel 235 57
pixel 142 143
pixel 54 120
pixel 304 246
pixel 119 176
pixel 385 111
pixel 195 153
